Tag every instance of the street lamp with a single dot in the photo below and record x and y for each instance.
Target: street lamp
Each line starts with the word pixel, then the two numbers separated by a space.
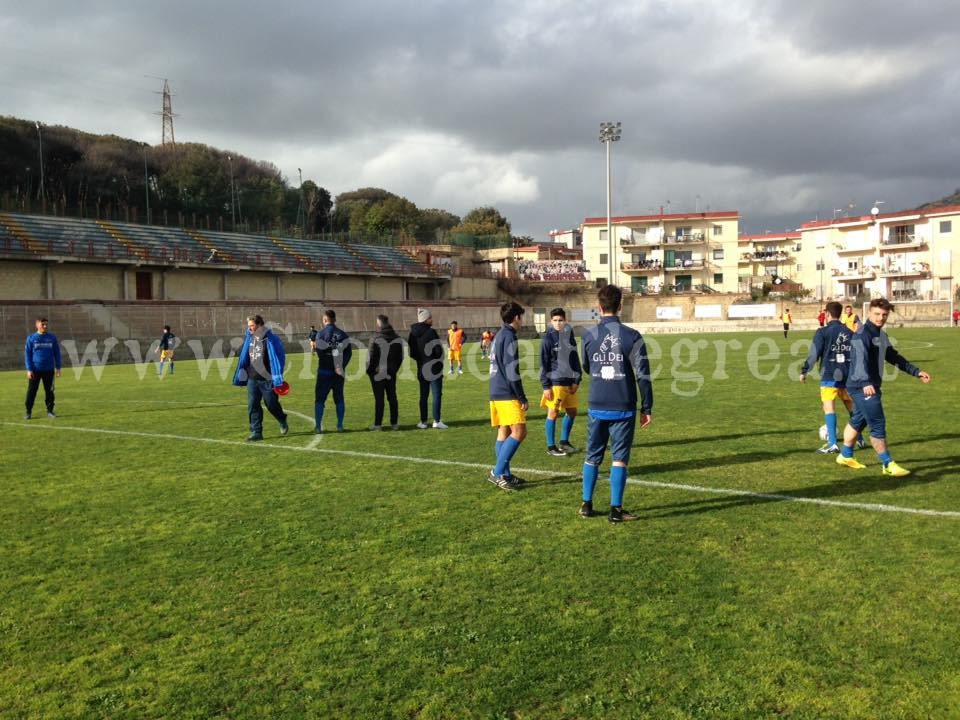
pixel 609 133
pixel 43 195
pixel 146 182
pixel 233 212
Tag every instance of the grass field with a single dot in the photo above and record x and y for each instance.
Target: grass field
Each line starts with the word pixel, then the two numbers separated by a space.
pixel 152 564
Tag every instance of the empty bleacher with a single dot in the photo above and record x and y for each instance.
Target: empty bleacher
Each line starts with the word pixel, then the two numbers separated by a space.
pixel 90 240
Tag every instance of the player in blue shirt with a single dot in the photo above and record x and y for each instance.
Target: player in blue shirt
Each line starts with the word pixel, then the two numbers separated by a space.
pixel 508 402
pixel 869 349
pixel 615 357
pixel 42 360
pixel 168 342
pixel 560 375
pixel 334 350
pixel 831 348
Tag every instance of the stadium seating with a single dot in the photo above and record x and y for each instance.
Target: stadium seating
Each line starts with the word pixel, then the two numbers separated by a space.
pixel 35 235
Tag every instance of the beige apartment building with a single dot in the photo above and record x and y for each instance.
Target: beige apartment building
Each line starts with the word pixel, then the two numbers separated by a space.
pixel 907 255
pixel 686 252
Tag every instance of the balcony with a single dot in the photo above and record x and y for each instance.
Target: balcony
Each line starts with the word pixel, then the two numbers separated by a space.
pixel 639 242
pixel 684 265
pixel 902 242
pixel 641 268
pixel 860 249
pixel 913 270
pixel 771 255
pixel 858 275
pixel 692 239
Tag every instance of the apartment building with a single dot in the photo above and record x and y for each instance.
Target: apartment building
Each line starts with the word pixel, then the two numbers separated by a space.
pixel 906 255
pixel 765 257
pixel 685 252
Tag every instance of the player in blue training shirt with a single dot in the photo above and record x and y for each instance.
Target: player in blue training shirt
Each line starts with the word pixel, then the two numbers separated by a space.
pixel 508 402
pixel 615 357
pixel 831 348
pixel 560 375
pixel 168 342
pixel 869 349
pixel 334 350
pixel 42 360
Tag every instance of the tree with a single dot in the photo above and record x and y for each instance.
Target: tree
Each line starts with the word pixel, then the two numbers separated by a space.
pixel 483 221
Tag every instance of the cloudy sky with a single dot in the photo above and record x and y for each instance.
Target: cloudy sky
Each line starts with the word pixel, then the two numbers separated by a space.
pixel 783 110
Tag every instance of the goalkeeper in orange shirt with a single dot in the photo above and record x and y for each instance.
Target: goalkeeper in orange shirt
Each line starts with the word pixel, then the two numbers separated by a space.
pixel 455 343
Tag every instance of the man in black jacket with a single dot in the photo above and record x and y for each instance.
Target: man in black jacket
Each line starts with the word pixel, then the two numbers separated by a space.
pixel 383 364
pixel 427 351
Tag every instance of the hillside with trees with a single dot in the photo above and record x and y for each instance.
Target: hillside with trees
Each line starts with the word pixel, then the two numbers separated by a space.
pixel 195 185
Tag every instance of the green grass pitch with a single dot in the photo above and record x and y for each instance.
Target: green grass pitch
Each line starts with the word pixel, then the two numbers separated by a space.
pixel 154 565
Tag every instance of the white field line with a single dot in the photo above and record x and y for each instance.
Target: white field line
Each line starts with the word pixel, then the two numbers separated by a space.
pixel 870 507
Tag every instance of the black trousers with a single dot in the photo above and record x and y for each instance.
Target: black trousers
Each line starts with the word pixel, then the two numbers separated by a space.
pixel 388 387
pixel 45 376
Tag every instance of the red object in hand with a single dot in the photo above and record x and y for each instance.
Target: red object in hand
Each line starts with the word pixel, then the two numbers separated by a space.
pixel 282 389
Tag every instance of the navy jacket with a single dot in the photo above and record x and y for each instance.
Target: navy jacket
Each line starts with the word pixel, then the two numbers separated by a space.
pixel 559 361
pixel 615 356
pixel 505 382
pixel 167 340
pixel 42 352
pixel 334 350
pixel 276 358
pixel 870 347
pixel 831 348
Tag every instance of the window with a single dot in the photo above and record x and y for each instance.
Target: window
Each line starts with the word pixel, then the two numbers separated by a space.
pixel 718 254
pixel 718 278
pixel 901 234
pixel 851 264
pixel 684 231
pixel 717 230
pixel 821 265
pixel 799 267
pixel 603 258
pixel 946 227
pixel 603 236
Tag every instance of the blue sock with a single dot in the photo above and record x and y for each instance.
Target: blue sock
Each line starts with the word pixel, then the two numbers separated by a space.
pixel 618 481
pixel 846 451
pixel 566 429
pixel 496 447
pixel 507 449
pixel 884 457
pixel 831 419
pixel 318 414
pixel 551 430
pixel 589 481
pixel 171 367
pixel 341 411
pixel 160 369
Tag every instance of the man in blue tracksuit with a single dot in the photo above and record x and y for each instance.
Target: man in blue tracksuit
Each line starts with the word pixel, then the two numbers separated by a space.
pixel 262 358
pixel 42 359
pixel 508 402
pixel 831 348
pixel 869 349
pixel 615 357
pixel 334 350
pixel 560 375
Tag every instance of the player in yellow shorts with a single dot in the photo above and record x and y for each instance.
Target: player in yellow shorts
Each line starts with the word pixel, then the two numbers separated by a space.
pixel 455 342
pixel 560 374
pixel 168 342
pixel 508 402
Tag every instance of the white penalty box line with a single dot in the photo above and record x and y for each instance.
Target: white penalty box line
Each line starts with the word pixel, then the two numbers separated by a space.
pixel 700 489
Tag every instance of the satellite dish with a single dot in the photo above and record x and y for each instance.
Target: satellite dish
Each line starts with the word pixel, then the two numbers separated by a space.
pixel 874 211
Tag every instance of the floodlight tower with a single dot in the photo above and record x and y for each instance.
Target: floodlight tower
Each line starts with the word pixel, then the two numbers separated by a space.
pixel 609 133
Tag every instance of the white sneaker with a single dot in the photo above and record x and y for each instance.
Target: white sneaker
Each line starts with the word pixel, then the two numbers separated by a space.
pixel 461 371
pixel 422 426
pixel 440 426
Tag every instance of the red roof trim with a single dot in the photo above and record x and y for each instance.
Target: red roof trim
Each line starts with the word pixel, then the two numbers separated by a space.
pixel 865 219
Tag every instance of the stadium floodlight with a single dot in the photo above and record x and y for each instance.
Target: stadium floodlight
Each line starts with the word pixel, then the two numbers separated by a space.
pixel 233 213
pixel 610 133
pixel 43 194
pixel 146 182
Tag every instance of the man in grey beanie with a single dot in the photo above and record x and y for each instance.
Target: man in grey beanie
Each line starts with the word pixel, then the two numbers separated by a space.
pixel 427 351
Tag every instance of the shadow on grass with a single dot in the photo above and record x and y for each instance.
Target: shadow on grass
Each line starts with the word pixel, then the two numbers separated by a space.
pixel 865 481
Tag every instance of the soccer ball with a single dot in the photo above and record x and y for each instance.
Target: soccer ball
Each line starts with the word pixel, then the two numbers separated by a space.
pixel 823 433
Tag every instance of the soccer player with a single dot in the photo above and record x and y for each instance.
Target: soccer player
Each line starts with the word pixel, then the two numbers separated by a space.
pixel 455 343
pixel 334 350
pixel 168 342
pixel 262 358
pixel 426 351
pixel 312 337
pixel 508 402
pixel 615 357
pixel 822 317
pixel 560 375
pixel 831 348
pixel 485 340
pixel 850 318
pixel 870 347
pixel 786 320
pixel 42 359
